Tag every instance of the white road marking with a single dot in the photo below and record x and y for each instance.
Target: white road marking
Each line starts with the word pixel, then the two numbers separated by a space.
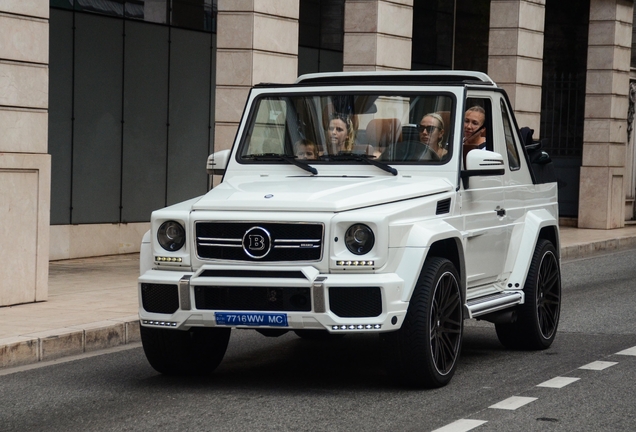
pixel 628 351
pixel 598 365
pixel 558 382
pixel 462 425
pixel 515 402
pixel 512 403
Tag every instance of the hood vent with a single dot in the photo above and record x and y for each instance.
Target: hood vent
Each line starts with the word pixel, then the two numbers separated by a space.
pixel 443 206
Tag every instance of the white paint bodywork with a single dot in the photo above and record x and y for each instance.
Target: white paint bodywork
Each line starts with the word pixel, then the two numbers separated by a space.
pixel 494 247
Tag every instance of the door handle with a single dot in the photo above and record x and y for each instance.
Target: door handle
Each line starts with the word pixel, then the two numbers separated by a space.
pixel 500 212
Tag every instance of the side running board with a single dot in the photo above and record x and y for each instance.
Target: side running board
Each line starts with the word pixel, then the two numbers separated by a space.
pixel 494 302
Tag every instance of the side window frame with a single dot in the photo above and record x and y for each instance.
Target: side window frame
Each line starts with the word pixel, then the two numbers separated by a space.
pixel 514 162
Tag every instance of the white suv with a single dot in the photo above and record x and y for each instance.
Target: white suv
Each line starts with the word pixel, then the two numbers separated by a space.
pixel 350 204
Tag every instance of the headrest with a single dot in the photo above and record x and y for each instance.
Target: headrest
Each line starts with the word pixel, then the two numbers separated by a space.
pixel 383 132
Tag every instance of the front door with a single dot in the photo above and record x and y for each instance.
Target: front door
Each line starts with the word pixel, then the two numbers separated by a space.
pixel 486 223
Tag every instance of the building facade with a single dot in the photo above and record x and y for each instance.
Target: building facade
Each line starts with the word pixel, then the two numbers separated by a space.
pixel 25 165
pixel 109 108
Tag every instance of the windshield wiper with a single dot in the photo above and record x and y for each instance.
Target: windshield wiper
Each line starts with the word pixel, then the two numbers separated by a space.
pixel 364 158
pixel 283 157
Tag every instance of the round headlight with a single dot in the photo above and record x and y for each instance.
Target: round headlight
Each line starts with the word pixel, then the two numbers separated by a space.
pixel 359 239
pixel 171 236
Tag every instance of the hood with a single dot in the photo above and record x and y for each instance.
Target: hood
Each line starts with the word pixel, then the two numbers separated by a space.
pixel 316 194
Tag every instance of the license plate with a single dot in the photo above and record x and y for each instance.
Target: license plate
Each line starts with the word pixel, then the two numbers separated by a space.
pixel 251 319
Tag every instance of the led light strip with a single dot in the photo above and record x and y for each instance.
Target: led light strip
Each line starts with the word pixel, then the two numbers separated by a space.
pixel 168 259
pixel 357 327
pixel 160 323
pixel 355 263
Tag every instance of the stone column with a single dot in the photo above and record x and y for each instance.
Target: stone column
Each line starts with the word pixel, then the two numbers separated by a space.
pixel 378 35
pixel 257 41
pixel 601 196
pixel 515 55
pixel 25 166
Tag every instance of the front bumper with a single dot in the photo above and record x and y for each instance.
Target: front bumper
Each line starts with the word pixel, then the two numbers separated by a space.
pixel 343 303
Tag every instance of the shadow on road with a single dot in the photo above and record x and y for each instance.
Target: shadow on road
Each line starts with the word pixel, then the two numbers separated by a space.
pixel 354 362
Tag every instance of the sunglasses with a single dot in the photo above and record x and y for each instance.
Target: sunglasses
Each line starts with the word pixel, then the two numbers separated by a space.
pixel 428 129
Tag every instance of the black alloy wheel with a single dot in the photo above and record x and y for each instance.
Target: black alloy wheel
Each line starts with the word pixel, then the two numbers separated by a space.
pixel 538 318
pixel 424 352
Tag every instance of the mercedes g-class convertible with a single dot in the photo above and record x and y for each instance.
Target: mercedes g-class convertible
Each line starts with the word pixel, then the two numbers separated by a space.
pixel 396 203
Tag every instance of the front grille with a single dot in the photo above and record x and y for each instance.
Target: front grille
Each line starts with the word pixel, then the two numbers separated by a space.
pixel 160 298
pixel 255 241
pixel 253 274
pixel 355 302
pixel 242 298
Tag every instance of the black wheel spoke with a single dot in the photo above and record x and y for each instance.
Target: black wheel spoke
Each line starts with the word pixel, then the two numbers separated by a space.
pixel 548 315
pixel 538 317
pixel 424 352
pixel 548 295
pixel 445 322
pixel 451 327
pixel 549 279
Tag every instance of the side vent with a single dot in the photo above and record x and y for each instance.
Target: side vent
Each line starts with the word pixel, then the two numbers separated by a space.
pixel 443 206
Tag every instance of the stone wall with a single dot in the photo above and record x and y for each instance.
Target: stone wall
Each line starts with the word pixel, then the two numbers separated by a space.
pixel 601 196
pixel 25 166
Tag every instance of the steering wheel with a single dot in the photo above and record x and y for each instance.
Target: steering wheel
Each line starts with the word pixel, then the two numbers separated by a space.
pixel 410 151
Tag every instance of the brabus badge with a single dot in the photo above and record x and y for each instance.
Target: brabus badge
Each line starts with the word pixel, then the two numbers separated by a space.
pixel 257 242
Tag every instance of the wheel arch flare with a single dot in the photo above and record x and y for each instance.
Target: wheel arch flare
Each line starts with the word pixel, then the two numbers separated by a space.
pixel 428 239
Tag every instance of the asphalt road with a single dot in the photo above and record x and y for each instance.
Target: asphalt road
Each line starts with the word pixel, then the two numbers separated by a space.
pixel 287 383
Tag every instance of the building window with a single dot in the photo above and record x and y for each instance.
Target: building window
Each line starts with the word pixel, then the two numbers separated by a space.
pixel 321 36
pixel 472 28
pixel 433 27
pixel 448 34
pixel 131 113
pixel 563 94
pixel 191 14
pixel 564 68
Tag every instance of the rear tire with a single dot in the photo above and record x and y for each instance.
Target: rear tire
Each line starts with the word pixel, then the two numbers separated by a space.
pixel 538 318
pixel 424 352
pixel 197 351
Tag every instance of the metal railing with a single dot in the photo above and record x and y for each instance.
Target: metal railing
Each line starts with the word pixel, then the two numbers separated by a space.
pixel 562 111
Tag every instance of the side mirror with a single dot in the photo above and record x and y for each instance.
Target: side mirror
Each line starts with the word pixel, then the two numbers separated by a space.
pixel 484 160
pixel 482 163
pixel 217 162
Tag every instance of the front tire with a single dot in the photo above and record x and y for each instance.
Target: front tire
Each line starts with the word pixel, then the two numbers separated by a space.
pixel 197 351
pixel 424 352
pixel 538 318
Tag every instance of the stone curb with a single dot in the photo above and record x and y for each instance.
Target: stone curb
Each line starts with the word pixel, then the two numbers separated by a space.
pixel 68 341
pixel 589 249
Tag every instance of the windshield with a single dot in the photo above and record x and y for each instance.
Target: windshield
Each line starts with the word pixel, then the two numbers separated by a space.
pixel 347 128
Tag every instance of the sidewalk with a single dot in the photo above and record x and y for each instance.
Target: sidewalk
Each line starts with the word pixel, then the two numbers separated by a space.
pixel 93 302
